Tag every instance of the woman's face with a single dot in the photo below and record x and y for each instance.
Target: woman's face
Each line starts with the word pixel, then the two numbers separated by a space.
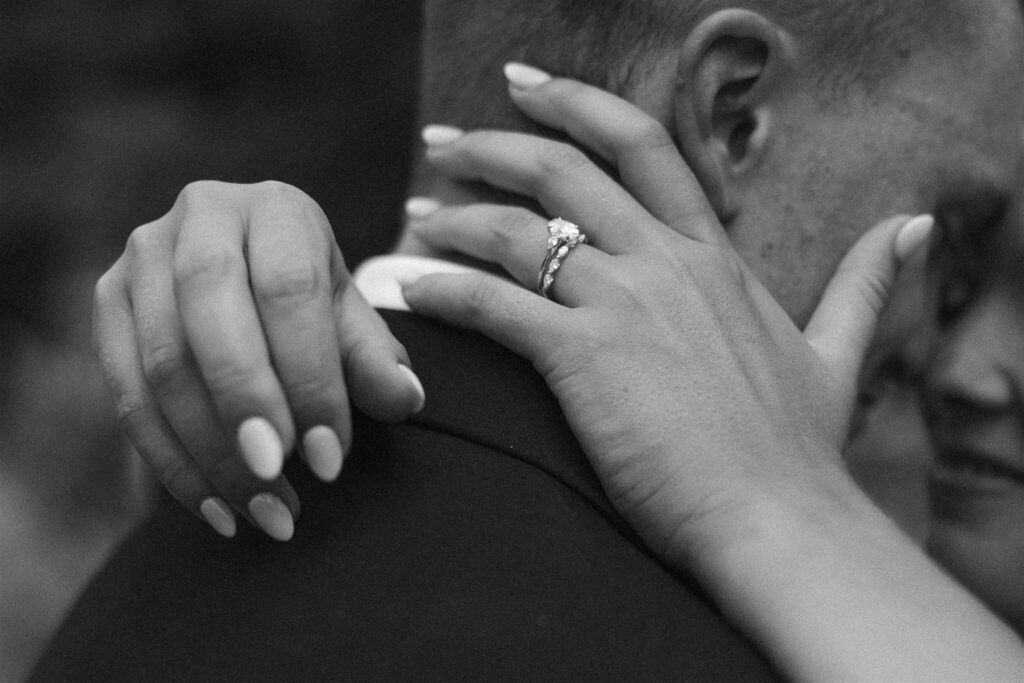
pixel 974 404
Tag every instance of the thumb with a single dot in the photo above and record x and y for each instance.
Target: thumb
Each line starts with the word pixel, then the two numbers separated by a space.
pixel 843 326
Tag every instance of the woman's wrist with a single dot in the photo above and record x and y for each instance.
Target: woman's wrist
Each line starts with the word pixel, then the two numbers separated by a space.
pixel 817 576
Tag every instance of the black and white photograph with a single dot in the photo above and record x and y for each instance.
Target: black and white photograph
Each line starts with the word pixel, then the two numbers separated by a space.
pixel 511 340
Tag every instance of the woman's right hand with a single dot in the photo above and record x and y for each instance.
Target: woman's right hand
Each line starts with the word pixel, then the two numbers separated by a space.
pixel 228 331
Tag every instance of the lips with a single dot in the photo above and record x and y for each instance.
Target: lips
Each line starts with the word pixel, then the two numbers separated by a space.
pixel 963 468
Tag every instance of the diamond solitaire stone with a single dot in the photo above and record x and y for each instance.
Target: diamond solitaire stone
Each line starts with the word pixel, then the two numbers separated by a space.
pixel 563 229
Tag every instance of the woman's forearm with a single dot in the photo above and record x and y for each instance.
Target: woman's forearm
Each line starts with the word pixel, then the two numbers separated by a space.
pixel 831 589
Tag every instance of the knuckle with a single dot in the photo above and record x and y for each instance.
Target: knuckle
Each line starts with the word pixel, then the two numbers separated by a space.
pixel 174 474
pixel 510 226
pixel 225 471
pixel 130 409
pixel 238 385
pixel 164 364
pixel 628 284
pixel 276 196
pixel 313 393
pixel 141 240
pixel 103 298
pixel 277 189
pixel 205 265
pixel 279 194
pixel 105 289
pixel 200 191
pixel 561 160
pixel 869 289
pixel 479 299
pixel 296 283
pixel 647 134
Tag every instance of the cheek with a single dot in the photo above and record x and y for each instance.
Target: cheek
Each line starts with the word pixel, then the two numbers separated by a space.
pixel 793 258
pixel 987 557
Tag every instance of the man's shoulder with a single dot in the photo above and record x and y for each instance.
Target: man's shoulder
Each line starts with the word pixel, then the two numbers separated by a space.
pixel 449 548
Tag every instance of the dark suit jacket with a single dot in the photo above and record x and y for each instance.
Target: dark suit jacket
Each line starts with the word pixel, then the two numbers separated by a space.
pixel 472 543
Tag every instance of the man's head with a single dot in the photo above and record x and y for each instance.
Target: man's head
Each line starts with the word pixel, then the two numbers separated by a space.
pixel 806 121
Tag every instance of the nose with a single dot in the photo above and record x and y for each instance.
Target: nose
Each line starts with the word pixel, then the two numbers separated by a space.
pixel 970 366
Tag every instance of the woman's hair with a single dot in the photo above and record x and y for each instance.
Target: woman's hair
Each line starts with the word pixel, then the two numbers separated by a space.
pixel 609 43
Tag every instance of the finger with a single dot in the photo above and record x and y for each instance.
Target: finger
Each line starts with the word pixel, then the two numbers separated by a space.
pixel 377 366
pixel 220 320
pixel 292 274
pixel 174 380
pixel 518 320
pixel 518 241
pixel 513 238
pixel 559 176
pixel 647 158
pixel 844 323
pixel 138 412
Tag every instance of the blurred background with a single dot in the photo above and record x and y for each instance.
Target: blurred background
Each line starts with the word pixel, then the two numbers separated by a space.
pixel 107 109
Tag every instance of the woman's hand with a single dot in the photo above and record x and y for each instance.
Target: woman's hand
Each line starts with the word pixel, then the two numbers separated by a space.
pixel 714 423
pixel 697 399
pixel 228 327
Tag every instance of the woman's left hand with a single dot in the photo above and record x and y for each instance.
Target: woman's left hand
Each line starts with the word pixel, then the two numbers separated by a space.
pixel 697 399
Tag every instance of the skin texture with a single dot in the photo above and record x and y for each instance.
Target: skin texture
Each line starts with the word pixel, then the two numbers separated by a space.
pixel 839 171
pixel 178 331
pixel 890 454
pixel 740 481
pixel 811 177
pixel 773 160
pixel 975 409
pixel 759 361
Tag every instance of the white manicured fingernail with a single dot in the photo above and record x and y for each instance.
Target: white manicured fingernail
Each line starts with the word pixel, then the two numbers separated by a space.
pixel 414 381
pixel 525 77
pixel 421 207
pixel 261 448
pixel 219 516
pixel 272 516
pixel 323 452
pixel 435 135
pixel 912 235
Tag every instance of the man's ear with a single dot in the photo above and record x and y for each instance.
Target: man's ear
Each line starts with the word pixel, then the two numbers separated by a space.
pixel 731 67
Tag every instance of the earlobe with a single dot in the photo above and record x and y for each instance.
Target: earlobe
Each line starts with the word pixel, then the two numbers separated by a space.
pixel 730 67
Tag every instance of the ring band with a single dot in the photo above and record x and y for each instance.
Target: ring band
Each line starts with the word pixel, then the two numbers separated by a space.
pixel 564 237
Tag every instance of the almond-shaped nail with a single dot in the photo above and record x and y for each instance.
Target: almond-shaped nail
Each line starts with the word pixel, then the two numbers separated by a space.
pixel 417 386
pixel 525 77
pixel 322 451
pixel 219 516
pixel 272 516
pixel 912 235
pixel 436 135
pixel 421 207
pixel 261 448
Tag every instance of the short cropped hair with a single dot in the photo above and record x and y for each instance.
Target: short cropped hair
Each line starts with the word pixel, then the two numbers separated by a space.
pixel 609 43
